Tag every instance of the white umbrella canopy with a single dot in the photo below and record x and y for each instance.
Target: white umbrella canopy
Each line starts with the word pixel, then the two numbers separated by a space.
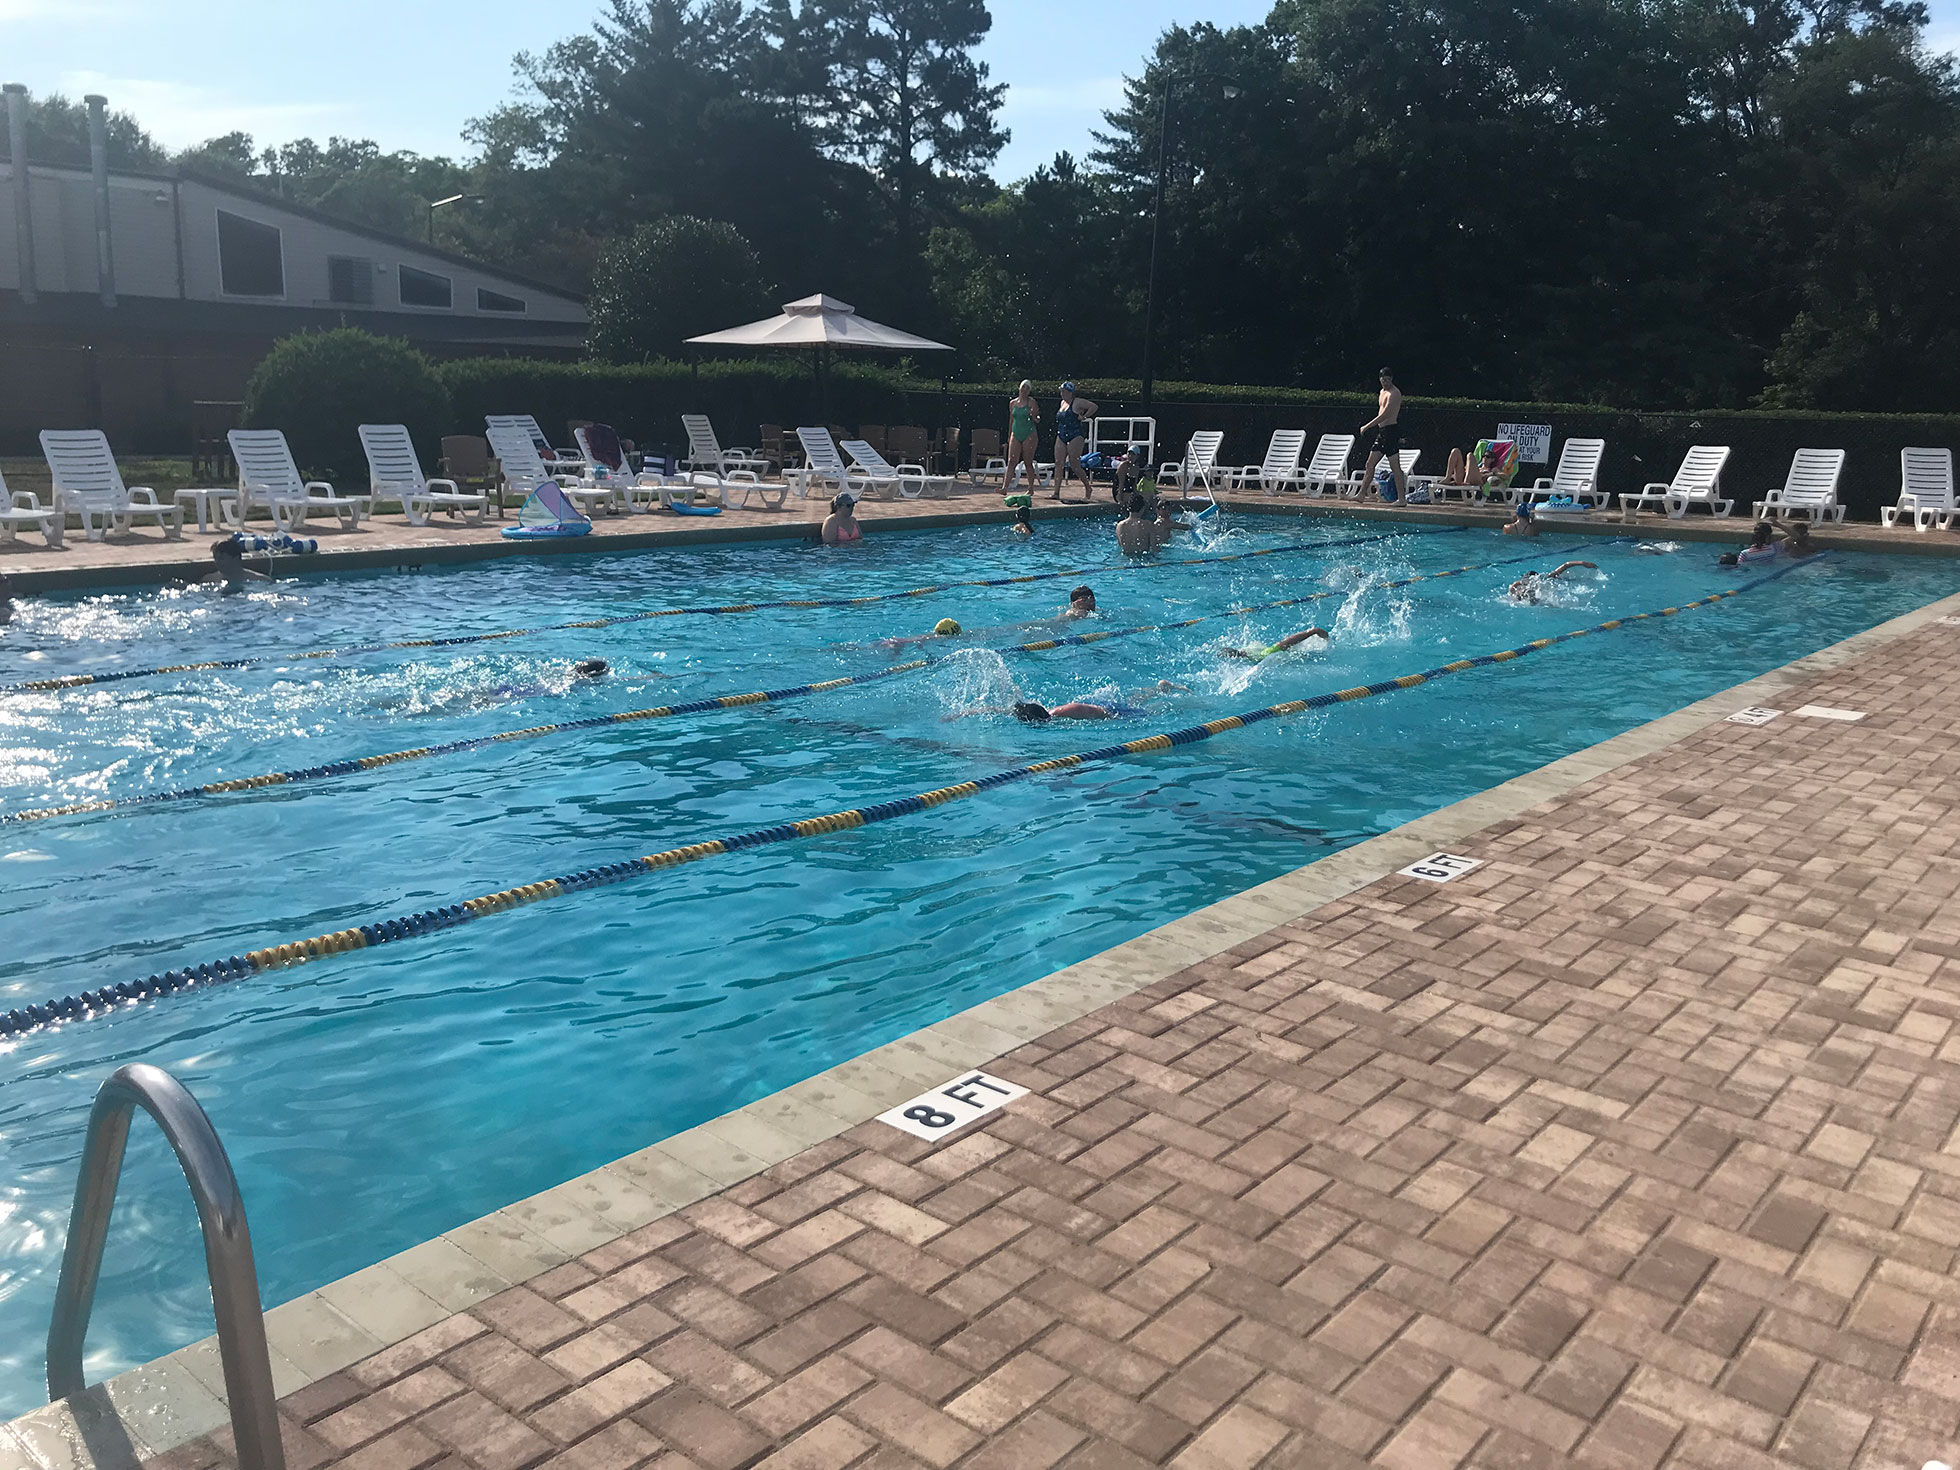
pixel 820 321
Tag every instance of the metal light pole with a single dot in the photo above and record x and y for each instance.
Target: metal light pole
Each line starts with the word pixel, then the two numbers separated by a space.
pixel 434 205
pixel 1157 227
pixel 1156 236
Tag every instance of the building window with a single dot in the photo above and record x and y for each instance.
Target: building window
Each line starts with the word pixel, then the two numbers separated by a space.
pixel 350 280
pixel 249 258
pixel 487 300
pixel 423 288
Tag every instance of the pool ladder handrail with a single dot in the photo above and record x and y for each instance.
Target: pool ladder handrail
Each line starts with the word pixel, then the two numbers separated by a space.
pixel 227 1251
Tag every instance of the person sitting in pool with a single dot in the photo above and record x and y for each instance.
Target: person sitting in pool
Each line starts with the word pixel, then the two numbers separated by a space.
pixel 1521 524
pixel 1081 603
pixel 1533 587
pixel 1291 640
pixel 1762 547
pixel 231 570
pixel 1167 524
pixel 1023 521
pixel 840 527
pixel 1135 533
pixel 1797 545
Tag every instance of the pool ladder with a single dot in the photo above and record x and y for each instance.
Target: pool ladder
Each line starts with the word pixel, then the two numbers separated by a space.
pixel 227 1251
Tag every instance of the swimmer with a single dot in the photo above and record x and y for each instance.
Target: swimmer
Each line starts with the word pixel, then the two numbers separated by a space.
pixel 1761 547
pixel 231 569
pixel 1291 640
pixel 1658 548
pixel 944 628
pixel 1135 533
pixel 840 528
pixel 585 668
pixel 6 600
pixel 1167 522
pixel 1030 713
pixel 1531 586
pixel 1023 521
pixel 1797 544
pixel 1521 524
pixel 1081 603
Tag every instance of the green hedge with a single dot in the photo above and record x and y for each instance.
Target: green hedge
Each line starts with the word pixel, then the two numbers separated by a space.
pixel 644 402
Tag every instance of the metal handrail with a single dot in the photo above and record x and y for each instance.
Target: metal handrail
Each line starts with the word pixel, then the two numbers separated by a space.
pixel 227 1251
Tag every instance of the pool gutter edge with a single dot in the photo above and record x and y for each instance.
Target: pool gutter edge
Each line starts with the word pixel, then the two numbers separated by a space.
pixel 174 1399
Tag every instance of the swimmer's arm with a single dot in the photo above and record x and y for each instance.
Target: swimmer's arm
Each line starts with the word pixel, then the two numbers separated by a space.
pixel 1560 571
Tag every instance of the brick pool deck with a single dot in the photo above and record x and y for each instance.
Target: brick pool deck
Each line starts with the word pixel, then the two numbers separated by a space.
pixel 1635 1147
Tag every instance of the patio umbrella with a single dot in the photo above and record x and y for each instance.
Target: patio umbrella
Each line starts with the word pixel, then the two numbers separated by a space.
pixel 820 321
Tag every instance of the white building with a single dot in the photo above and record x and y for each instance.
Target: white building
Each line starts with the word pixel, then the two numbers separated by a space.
pixel 124 296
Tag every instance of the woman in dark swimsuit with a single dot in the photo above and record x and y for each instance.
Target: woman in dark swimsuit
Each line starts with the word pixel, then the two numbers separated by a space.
pixel 1070 435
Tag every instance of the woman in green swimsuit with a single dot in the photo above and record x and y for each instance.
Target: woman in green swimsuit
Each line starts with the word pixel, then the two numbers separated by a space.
pixel 1023 415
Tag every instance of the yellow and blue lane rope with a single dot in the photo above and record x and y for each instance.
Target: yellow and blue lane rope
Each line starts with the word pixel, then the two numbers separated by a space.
pixel 356 764
pixel 80 681
pixel 430 921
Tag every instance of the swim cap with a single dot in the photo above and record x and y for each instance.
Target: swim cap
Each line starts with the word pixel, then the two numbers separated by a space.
pixel 1524 510
pixel 945 627
pixel 1068 387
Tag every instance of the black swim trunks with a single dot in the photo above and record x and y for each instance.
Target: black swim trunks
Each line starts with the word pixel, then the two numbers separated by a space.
pixel 1388 439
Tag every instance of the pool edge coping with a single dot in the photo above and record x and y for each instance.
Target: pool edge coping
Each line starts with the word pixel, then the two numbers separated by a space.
pixel 157 1406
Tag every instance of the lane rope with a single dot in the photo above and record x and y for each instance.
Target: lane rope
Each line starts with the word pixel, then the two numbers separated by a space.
pixel 95 1003
pixel 80 681
pixel 355 764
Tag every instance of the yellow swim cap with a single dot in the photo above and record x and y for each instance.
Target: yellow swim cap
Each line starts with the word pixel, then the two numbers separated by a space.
pixel 945 627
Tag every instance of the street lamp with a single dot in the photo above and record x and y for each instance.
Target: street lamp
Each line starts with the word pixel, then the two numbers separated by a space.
pixel 1231 90
pixel 435 204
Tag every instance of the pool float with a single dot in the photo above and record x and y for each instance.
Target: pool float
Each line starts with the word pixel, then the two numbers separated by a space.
pixel 1563 505
pixel 693 510
pixel 547 515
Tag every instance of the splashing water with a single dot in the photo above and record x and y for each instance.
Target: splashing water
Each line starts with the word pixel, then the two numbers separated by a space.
pixel 973 681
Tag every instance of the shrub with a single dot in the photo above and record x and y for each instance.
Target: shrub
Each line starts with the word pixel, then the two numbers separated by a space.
pixel 319 387
pixel 670 280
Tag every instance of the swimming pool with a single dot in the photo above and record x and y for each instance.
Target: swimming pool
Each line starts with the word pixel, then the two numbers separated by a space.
pixel 378 1098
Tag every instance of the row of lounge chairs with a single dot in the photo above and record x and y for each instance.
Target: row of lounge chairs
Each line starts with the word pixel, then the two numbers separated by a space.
pixel 1926 496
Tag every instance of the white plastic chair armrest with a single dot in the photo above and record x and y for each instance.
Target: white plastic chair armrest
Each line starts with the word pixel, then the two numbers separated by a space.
pixel 918 470
pixel 1542 483
pixel 1656 487
pixel 321 485
pixel 142 494
pixel 742 477
pixel 449 486
pixel 27 500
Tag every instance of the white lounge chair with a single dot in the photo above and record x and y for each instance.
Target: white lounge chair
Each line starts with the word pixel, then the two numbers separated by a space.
pixel 1279 470
pixel 87 482
pixel 823 465
pixel 893 481
pixel 1329 464
pixel 1355 487
pixel 394 473
pixel 1811 488
pixel 606 468
pixel 23 509
pixel 559 461
pixel 1576 478
pixel 267 476
pixel 704 451
pixel 1925 489
pixel 524 469
pixel 1697 482
pixel 700 489
pixel 1200 462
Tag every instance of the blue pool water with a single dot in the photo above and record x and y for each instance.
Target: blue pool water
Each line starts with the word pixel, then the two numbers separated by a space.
pixel 378 1098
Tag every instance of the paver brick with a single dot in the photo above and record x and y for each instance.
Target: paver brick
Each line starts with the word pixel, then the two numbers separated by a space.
pixel 1622 1152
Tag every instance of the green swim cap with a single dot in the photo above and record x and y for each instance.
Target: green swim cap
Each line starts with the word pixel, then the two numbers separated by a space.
pixel 945 627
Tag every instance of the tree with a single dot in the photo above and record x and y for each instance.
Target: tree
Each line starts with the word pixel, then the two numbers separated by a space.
pixel 667 281
pixel 313 385
pixel 905 97
pixel 57 133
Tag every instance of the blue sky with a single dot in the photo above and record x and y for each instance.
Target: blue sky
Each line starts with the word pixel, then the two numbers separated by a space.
pixel 410 75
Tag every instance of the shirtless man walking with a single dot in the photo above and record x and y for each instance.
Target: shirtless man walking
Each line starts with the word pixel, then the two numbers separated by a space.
pixel 1387 439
